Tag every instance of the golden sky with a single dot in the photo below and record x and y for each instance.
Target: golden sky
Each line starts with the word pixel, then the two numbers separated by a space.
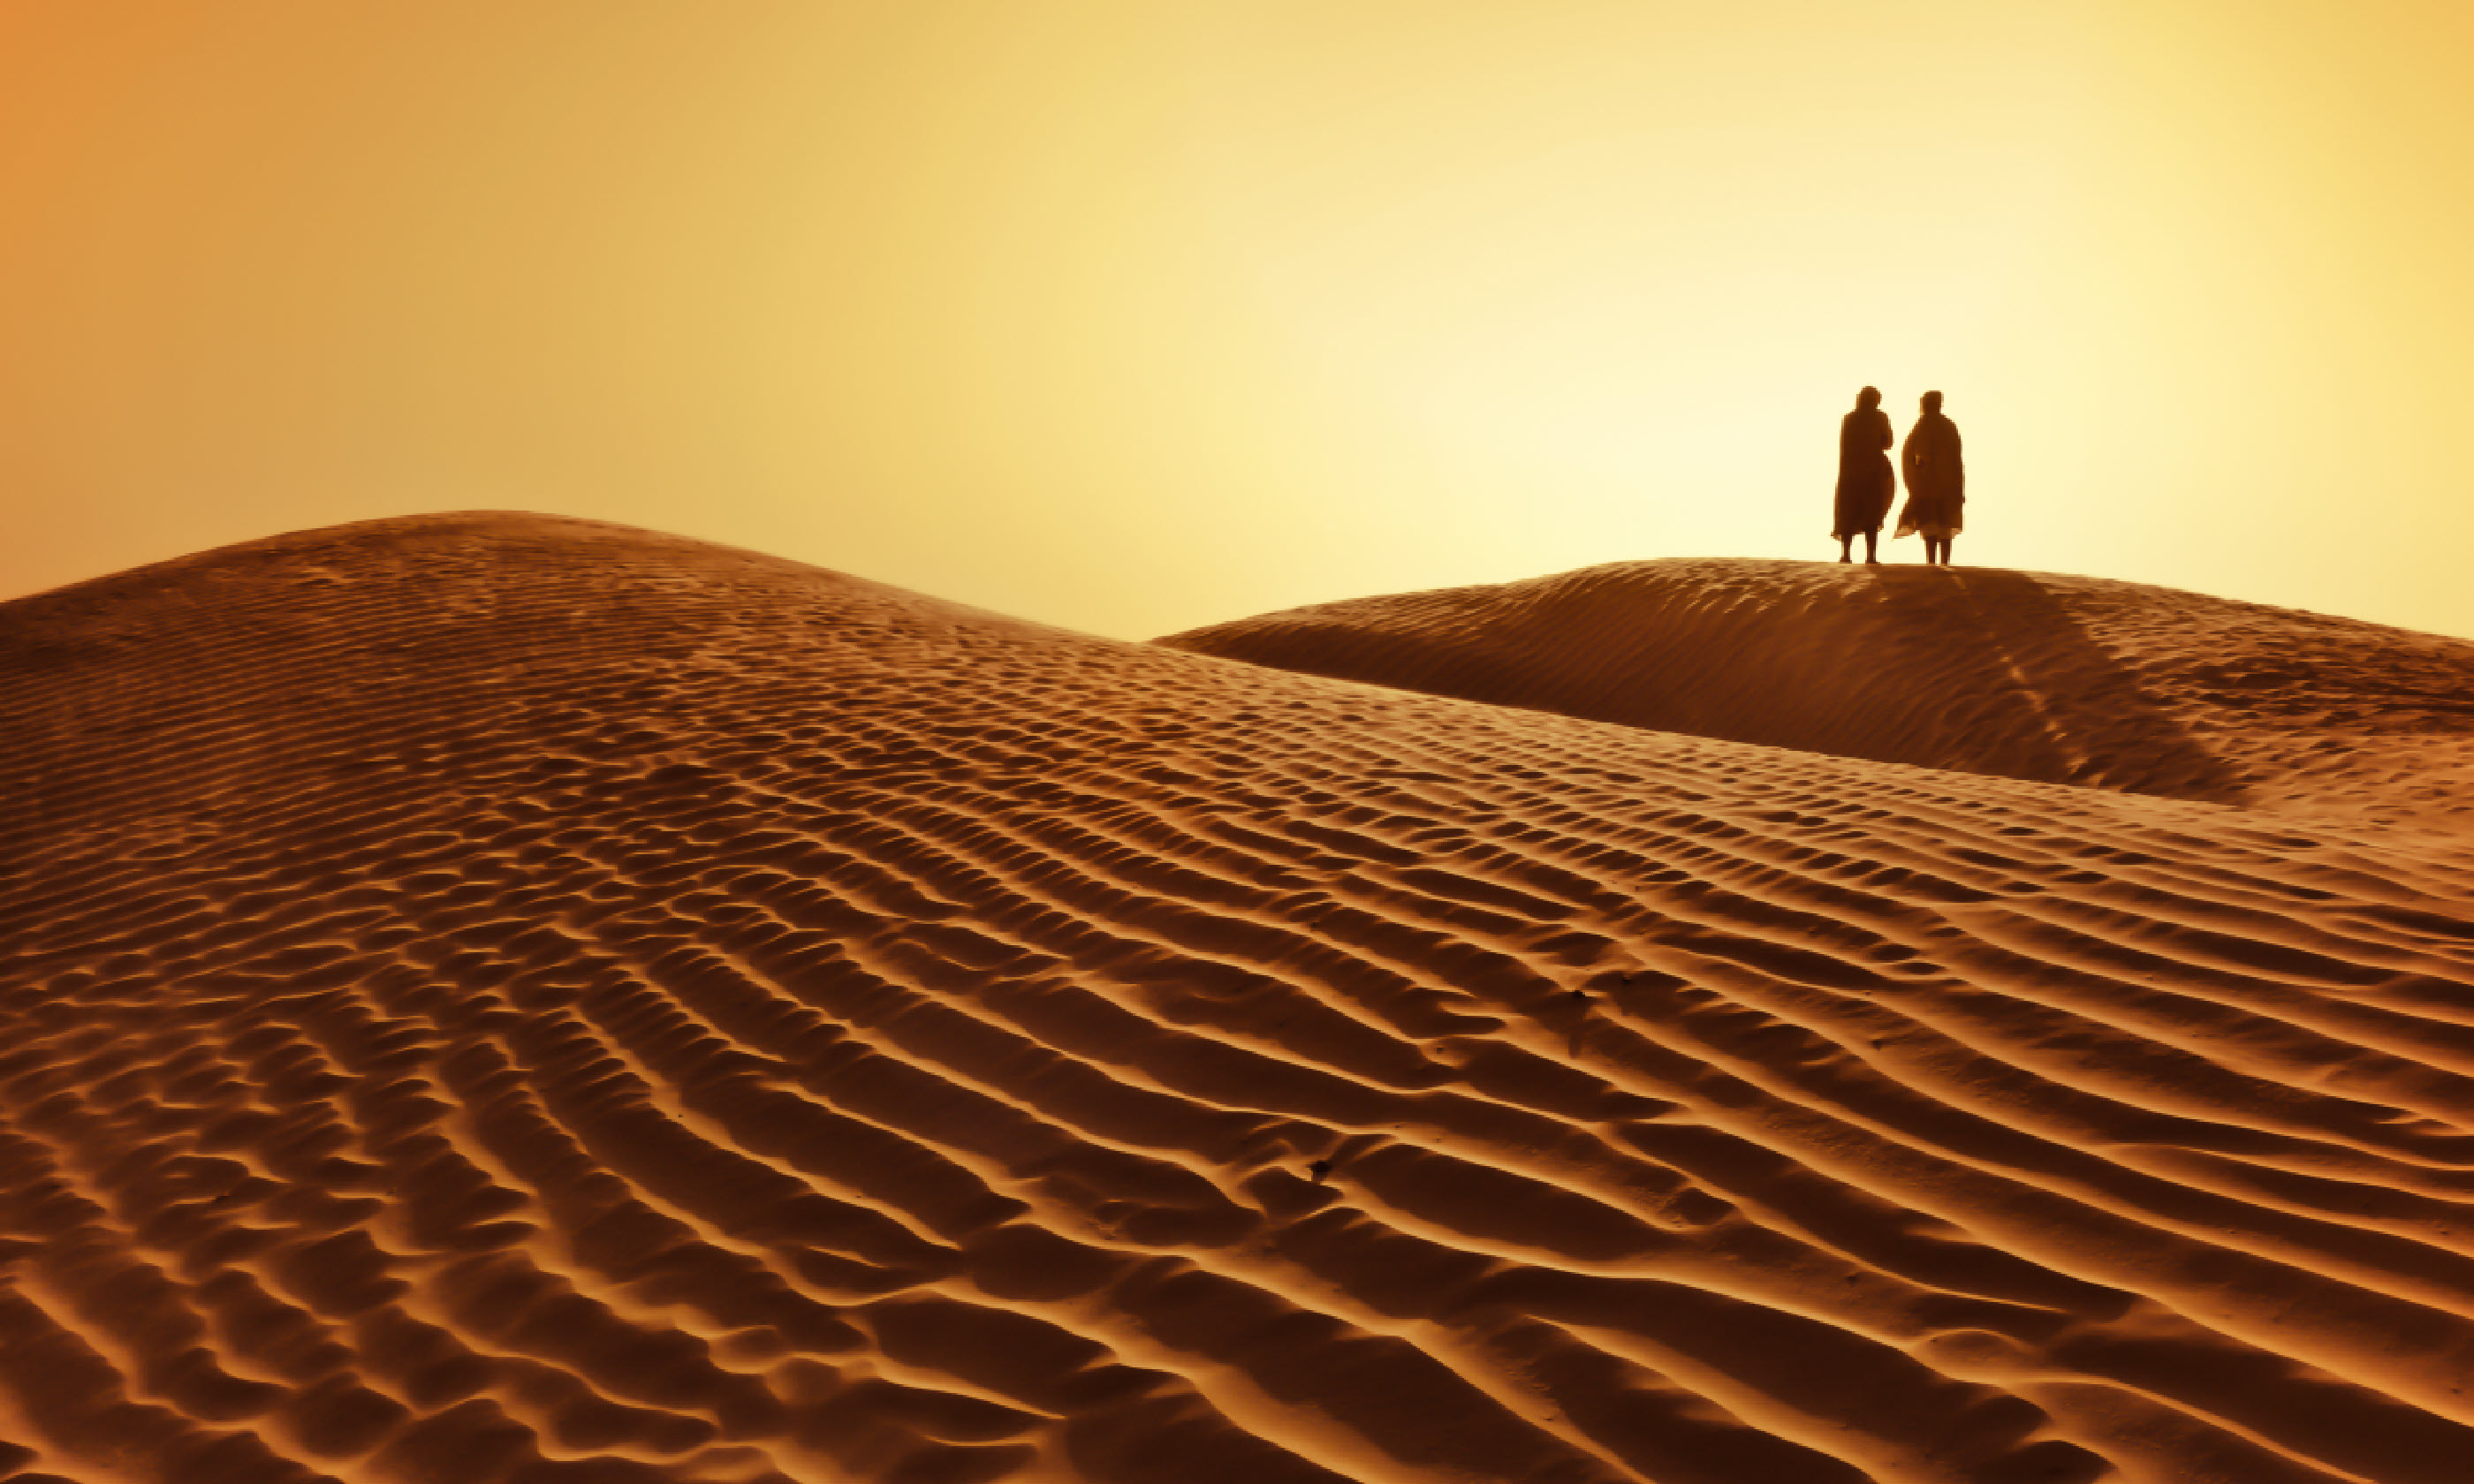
pixel 1135 315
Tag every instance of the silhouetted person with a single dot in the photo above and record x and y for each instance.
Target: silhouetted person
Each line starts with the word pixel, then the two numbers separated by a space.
pixel 1936 481
pixel 1865 483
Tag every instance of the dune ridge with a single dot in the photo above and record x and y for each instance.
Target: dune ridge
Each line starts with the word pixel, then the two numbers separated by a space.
pixel 495 997
pixel 2028 675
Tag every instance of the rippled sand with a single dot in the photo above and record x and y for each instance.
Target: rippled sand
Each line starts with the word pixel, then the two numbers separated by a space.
pixel 506 998
pixel 2025 675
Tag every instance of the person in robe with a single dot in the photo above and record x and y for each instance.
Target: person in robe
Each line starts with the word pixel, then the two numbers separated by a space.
pixel 1936 482
pixel 1866 485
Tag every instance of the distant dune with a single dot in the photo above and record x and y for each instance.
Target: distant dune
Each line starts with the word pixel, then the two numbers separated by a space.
pixel 499 999
pixel 2026 675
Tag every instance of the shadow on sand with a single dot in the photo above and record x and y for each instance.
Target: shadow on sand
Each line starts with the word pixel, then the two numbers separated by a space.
pixel 2015 665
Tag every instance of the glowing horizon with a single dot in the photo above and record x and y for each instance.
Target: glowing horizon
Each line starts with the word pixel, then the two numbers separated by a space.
pixel 1135 316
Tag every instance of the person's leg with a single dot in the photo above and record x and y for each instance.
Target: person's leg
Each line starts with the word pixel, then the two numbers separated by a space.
pixel 1846 549
pixel 1933 551
pixel 1869 559
pixel 1945 549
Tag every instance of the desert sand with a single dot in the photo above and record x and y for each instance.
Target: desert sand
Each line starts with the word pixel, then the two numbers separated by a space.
pixel 2026 675
pixel 494 997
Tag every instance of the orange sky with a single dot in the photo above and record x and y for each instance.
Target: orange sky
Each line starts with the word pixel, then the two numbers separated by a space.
pixel 1133 315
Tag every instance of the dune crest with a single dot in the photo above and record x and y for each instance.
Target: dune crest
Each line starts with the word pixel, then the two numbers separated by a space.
pixel 499 999
pixel 2026 675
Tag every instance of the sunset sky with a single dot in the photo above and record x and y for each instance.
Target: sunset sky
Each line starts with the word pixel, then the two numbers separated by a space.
pixel 1135 315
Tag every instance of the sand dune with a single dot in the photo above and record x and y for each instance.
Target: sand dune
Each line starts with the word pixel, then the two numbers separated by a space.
pixel 2026 675
pixel 502 998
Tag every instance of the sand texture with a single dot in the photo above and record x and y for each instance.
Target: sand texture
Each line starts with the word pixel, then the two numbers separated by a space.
pixel 494 998
pixel 2028 675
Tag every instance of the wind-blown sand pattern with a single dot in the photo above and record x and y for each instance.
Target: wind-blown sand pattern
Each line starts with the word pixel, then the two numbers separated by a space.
pixel 2027 675
pixel 502 998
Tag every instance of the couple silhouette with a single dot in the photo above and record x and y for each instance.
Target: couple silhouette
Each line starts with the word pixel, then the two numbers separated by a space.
pixel 1936 479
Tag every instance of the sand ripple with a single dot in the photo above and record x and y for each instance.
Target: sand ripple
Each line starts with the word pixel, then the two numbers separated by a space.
pixel 499 998
pixel 2023 675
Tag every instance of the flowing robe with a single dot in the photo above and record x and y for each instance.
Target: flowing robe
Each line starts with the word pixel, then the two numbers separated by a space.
pixel 1936 480
pixel 1866 485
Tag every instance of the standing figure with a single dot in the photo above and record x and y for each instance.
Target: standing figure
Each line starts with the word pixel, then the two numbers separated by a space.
pixel 1865 483
pixel 1936 481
